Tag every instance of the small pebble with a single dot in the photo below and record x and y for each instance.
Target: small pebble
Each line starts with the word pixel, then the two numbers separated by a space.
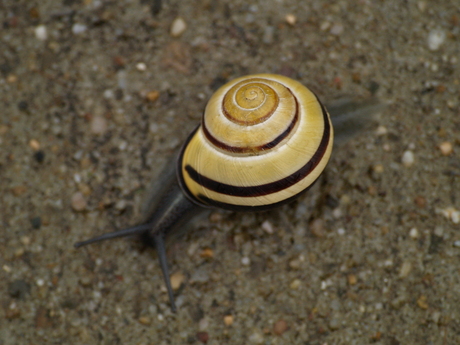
pixel 207 253
pixel 452 214
pixel 295 284
pixel 25 240
pixel 420 201
pixel 334 324
pixel 202 337
pixel 408 159
pixel 290 19
pixel 120 205
pixel 215 217
pixel 41 32
pixel 436 316
pixel 34 145
pixel 12 78
pixel 203 324
pixel 176 280
pixel 245 261
pixel 145 320
pixel 109 94
pixel 18 190
pixel 152 96
pixel 78 28
pixel 421 302
pixel 435 39
pixel 457 244
pixel 317 228
pixel 337 213
pixel 78 201
pixel 406 268
pixel 141 66
pixel 446 148
pixel 381 130
pixel 337 29
pixel 36 222
pixel 267 227
pixel 421 6
pixel 228 320
pixel 295 264
pixel 279 327
pixel 256 338
pixel 85 281
pixel 178 27
pixel 193 248
pixel 39 156
pixel 199 276
pixel 413 233
pixel 324 26
pixel 352 279
pixel 13 312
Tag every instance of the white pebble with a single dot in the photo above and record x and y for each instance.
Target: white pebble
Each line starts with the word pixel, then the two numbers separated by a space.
pixel 40 282
pixel 341 231
pixel 408 158
pixel 153 128
pixel 123 145
pixel 78 201
pixel 337 213
pixel 267 227
pixel 108 94
pixel 141 66
pixel 178 27
pixel 451 213
pixel 413 233
pixel 337 29
pixel 98 125
pixel 41 32
pixel 457 244
pixel 290 19
pixel 203 324
pixel 381 130
pixel 455 217
pixel 435 39
pixel 405 269
pixel 245 261
pixel 78 28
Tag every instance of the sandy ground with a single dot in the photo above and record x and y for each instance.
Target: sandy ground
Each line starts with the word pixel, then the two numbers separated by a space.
pixel 97 94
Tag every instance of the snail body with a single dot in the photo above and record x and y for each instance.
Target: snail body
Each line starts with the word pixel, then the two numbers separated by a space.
pixel 264 139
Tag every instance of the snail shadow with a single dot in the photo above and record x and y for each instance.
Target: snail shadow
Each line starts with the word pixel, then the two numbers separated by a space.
pixel 352 116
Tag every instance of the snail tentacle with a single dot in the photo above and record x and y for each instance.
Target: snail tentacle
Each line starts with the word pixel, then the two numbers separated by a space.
pixel 135 230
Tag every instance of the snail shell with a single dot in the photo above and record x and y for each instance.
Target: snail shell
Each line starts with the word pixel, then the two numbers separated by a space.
pixel 263 140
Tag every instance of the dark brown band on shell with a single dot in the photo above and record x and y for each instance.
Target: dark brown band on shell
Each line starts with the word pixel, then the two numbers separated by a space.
pixel 272 187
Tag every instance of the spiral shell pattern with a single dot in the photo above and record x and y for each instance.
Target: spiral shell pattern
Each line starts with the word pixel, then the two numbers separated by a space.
pixel 264 139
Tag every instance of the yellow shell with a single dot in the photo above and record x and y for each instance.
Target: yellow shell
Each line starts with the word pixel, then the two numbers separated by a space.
pixel 263 140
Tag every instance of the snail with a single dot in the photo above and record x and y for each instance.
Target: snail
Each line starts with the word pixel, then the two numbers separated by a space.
pixel 264 139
